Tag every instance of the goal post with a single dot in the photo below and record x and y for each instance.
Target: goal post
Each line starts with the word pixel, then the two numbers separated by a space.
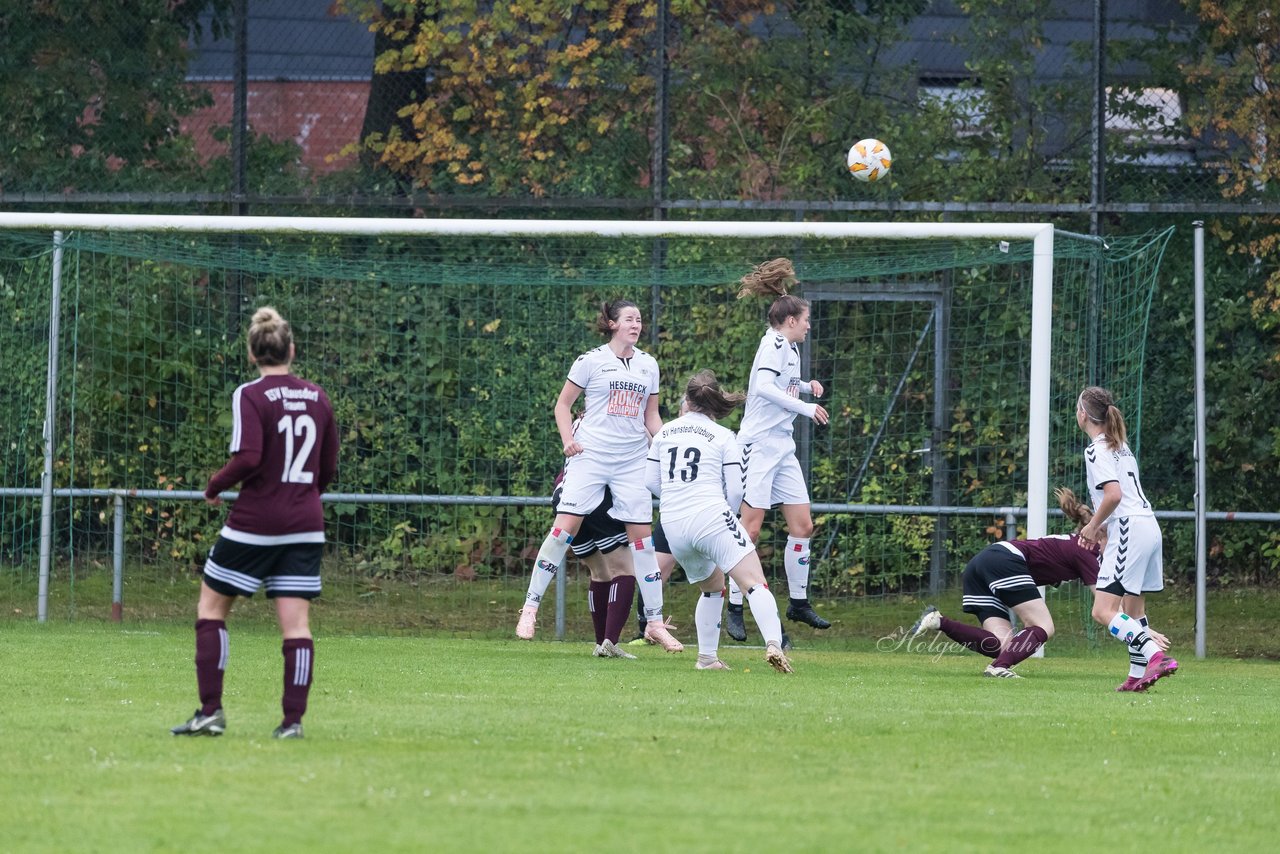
pixel 443 301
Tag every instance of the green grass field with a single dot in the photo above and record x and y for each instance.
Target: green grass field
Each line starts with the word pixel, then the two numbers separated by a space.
pixel 1241 621
pixel 454 744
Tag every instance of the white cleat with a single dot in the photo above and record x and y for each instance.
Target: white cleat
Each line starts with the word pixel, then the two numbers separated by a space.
pixel 528 618
pixel 609 649
pixel 1000 672
pixel 659 633
pixel 776 658
pixel 710 662
pixel 930 621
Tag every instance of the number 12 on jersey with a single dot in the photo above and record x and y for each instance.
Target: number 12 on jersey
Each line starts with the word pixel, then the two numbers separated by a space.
pixel 295 467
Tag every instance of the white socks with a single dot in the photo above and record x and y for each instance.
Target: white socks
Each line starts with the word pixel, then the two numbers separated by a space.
pixel 764 609
pixel 796 562
pixel 706 617
pixel 550 556
pixel 1134 633
pixel 644 561
pixel 1138 661
pixel 797 566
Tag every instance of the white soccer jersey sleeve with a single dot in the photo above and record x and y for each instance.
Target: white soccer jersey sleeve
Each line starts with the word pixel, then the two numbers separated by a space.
pixel 1105 465
pixel 653 476
pixel 773 391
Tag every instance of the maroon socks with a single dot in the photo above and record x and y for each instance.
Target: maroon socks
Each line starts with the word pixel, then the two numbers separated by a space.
pixel 299 655
pixel 211 663
pixel 1021 646
pixel 597 604
pixel 973 637
pixel 621 592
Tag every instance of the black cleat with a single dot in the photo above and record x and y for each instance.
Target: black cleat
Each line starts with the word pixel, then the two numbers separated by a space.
pixel 290 731
pixel 800 611
pixel 786 642
pixel 202 724
pixel 735 625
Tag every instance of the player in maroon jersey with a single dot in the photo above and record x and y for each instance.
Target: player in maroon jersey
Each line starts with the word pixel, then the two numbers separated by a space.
pixel 1002 580
pixel 284 453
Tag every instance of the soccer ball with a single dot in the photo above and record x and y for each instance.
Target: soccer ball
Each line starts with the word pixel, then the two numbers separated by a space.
pixel 869 160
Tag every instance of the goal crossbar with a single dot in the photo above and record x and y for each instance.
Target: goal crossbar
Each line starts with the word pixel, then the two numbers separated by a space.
pixel 517 227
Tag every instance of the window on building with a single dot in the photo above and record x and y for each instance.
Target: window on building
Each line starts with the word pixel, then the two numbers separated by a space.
pixel 1148 125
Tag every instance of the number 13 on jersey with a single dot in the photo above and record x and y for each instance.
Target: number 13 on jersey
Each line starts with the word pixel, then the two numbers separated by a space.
pixel 689 471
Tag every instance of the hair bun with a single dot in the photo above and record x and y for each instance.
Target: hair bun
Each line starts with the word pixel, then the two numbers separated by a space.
pixel 267 318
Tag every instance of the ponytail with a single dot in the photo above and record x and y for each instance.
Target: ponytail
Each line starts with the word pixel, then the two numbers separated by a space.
pixel 774 278
pixel 1073 507
pixel 1100 408
pixel 703 394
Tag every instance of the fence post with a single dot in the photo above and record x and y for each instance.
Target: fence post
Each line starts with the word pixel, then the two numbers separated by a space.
pixel 117 558
pixel 1201 503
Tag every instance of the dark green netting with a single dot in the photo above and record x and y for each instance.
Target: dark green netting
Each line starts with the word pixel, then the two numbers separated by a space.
pixel 443 356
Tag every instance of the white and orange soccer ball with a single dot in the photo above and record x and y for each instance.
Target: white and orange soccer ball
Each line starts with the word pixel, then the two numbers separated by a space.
pixel 869 160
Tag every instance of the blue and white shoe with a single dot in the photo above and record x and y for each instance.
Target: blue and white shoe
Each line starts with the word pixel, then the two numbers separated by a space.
pixel 930 621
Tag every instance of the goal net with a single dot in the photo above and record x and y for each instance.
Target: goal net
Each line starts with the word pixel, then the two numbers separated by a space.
pixel 443 345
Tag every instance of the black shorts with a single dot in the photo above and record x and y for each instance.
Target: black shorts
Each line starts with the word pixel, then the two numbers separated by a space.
pixel 239 569
pixel 996 580
pixel 660 544
pixel 599 531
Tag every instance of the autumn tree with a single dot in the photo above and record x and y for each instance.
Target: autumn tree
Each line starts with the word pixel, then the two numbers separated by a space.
pixel 1233 69
pixel 510 93
pixel 93 91
pixel 764 99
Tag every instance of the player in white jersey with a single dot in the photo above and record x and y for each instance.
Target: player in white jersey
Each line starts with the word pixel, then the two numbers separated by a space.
pixel 773 474
pixel 695 469
pixel 1132 559
pixel 601 544
pixel 608 450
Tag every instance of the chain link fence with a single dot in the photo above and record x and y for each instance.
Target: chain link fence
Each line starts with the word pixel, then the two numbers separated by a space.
pixel 1037 106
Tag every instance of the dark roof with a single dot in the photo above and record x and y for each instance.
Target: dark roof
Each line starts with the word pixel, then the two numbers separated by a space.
pixel 289 40
pixel 305 40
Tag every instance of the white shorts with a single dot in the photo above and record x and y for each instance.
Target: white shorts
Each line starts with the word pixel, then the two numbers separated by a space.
pixel 701 542
pixel 1134 556
pixel 772 473
pixel 586 476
